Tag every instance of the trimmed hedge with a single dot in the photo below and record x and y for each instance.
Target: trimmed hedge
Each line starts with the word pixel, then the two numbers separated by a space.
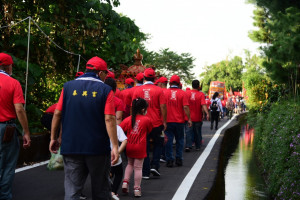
pixel 277 145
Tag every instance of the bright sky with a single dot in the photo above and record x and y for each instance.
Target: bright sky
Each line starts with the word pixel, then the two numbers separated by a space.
pixel 210 30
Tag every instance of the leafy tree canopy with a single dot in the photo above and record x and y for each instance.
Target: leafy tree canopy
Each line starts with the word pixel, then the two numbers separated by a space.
pixel 278 23
pixel 168 63
pixel 86 27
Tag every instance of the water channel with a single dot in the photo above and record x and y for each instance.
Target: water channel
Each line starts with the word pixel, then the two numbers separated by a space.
pixel 242 177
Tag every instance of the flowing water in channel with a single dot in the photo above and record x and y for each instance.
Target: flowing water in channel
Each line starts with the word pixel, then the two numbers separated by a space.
pixel 242 177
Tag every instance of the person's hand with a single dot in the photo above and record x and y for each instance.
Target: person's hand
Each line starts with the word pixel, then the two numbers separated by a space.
pixel 207 117
pixel 26 141
pixel 165 139
pixel 54 146
pixel 190 123
pixel 165 126
pixel 59 140
pixel 114 156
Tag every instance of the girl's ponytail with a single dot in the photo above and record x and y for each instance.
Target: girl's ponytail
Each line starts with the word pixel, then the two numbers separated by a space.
pixel 134 112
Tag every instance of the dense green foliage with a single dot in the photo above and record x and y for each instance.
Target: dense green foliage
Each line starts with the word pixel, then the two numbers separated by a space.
pixel 273 93
pixel 277 144
pixel 278 22
pixel 168 62
pixel 88 28
pixel 229 71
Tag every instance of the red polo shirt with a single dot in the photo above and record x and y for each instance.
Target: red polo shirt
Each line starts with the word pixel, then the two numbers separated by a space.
pixel 117 94
pixel 124 95
pixel 51 109
pixel 119 105
pixel 137 137
pixel 176 99
pixel 196 100
pixel 10 93
pixel 155 97
pixel 208 103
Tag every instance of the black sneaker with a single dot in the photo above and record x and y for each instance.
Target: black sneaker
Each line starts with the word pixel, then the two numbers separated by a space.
pixel 216 128
pixel 187 149
pixel 82 196
pixel 169 163
pixel 211 127
pixel 155 172
pixel 178 162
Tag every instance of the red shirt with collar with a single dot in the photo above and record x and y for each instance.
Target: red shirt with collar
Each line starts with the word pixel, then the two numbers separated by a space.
pixel 155 97
pixel 196 100
pixel 137 137
pixel 124 95
pixel 10 93
pixel 176 99
pixel 119 105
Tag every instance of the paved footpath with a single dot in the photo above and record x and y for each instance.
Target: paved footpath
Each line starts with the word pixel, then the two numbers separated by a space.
pixel 40 184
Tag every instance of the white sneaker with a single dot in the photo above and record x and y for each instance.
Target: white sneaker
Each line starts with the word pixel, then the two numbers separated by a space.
pixel 115 197
pixel 137 192
pixel 125 187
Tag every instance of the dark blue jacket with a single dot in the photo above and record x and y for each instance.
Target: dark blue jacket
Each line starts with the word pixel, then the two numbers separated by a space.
pixel 83 123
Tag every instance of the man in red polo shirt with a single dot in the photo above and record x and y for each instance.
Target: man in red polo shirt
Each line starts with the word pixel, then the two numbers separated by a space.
pixel 11 107
pixel 197 104
pixel 119 105
pixel 129 83
pixel 177 106
pixel 139 82
pixel 162 82
pixel 157 113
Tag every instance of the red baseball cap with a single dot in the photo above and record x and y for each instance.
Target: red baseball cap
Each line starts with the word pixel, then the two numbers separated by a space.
pixel 156 82
pixel 78 74
pixel 175 79
pixel 110 74
pixel 129 81
pixel 162 80
pixel 5 59
pixel 149 73
pixel 187 88
pixel 97 64
pixel 139 76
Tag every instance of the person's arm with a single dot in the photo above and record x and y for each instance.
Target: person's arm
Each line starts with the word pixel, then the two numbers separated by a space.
pixel 119 116
pixel 22 117
pixel 220 106
pixel 110 122
pixel 187 112
pixel 122 146
pixel 204 107
pixel 163 109
pixel 56 123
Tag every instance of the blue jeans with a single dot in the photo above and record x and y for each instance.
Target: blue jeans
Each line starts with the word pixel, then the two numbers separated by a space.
pixel 158 141
pixel 9 153
pixel 224 112
pixel 174 130
pixel 194 133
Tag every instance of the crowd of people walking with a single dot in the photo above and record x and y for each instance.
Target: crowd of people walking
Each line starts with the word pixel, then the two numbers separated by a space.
pixel 93 123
